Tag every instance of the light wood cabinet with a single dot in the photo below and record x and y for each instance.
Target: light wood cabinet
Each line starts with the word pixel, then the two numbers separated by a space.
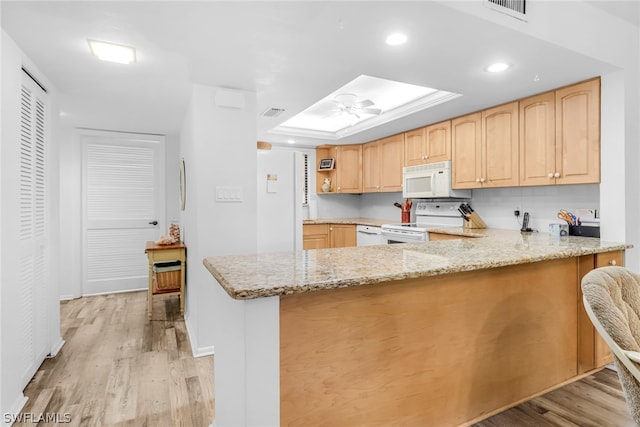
pixel 593 352
pixel 315 236
pixel 382 163
pixel 466 141
pixel 342 235
pixel 538 151
pixel 500 160
pixel 560 136
pixel 371 167
pixel 415 150
pixel 321 236
pixel 428 145
pixel 325 152
pixel 578 133
pixel 348 168
pixel 485 148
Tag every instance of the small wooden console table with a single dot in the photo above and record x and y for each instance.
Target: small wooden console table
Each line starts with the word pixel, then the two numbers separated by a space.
pixel 163 253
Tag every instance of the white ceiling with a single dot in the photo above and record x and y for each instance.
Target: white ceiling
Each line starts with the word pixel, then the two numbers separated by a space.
pixel 292 54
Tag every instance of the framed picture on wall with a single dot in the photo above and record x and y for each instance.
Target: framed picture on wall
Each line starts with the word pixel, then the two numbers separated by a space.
pixel 326 164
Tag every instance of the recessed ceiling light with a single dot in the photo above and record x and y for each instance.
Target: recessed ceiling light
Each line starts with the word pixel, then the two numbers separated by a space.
pixel 111 52
pixel 396 39
pixel 497 67
pixel 291 141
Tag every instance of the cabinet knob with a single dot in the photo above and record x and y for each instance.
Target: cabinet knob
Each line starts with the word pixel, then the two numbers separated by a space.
pixel 377 186
pixel 477 179
pixel 556 175
pixel 482 179
pixel 550 175
pixel 613 262
pixel 330 228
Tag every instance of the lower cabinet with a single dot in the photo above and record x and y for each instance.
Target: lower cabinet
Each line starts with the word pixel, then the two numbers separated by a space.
pixel 321 236
pixel 593 352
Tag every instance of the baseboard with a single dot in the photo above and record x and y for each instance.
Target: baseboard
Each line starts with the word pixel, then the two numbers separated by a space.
pixel 14 410
pixel 115 292
pixel 56 348
pixel 195 350
pixel 67 297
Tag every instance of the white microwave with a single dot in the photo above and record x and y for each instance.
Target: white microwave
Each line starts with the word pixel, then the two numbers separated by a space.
pixel 432 180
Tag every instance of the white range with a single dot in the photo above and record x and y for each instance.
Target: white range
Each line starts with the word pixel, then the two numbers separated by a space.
pixel 428 214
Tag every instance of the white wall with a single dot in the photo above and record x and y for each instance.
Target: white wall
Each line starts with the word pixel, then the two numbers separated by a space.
pixel 219 148
pixel 12 59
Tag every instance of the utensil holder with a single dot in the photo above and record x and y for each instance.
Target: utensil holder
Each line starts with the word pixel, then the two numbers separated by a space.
pixel 406 217
pixel 474 221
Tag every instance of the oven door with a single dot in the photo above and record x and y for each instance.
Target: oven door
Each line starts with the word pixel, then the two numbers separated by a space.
pixel 403 236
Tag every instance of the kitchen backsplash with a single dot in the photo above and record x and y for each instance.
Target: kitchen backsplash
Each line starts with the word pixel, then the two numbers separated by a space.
pixel 495 205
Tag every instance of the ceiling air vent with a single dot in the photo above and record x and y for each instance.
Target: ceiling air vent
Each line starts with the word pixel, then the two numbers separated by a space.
pixel 273 112
pixel 515 8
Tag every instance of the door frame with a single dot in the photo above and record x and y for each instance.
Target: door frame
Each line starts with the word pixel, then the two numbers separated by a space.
pixel 81 135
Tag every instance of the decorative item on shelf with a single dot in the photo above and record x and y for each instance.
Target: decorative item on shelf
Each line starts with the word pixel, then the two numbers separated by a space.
pixel 326 164
pixel 326 186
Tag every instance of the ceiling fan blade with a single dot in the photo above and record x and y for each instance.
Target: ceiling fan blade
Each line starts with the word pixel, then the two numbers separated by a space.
pixel 364 103
pixel 375 111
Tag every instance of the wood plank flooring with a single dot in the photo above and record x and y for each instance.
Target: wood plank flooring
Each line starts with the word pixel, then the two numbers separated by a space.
pixel 119 369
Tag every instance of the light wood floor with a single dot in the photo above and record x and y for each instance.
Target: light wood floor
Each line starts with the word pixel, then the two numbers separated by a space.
pixel 119 369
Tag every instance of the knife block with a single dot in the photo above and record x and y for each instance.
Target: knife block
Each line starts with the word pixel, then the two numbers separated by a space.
pixel 474 221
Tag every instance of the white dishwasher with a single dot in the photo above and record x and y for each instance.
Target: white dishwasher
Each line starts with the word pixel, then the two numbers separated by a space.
pixel 368 236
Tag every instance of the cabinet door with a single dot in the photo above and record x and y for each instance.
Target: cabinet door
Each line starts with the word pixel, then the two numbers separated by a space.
pixel 438 142
pixel 466 139
pixel 538 140
pixel 315 236
pixel 391 162
pixel 414 147
pixel 349 168
pixel 578 133
pixel 602 352
pixel 500 160
pixel 342 235
pixel 371 167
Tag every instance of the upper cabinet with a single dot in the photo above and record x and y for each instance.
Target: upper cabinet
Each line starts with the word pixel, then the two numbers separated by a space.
pixel 428 145
pixel 560 136
pixel 578 133
pixel 500 162
pixel 382 163
pixel 485 148
pixel 466 140
pixel 349 168
pixel 538 151
pixel 546 139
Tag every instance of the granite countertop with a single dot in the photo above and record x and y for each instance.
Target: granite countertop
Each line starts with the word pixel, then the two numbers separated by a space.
pixel 356 221
pixel 282 273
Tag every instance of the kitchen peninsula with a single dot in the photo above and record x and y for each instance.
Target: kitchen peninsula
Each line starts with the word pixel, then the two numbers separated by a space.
pixel 437 333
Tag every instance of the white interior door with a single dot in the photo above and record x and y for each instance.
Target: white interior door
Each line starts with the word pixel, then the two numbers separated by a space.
pixel 123 192
pixel 34 311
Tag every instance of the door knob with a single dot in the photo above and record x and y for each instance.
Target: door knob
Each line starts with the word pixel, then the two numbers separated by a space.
pixel 154 222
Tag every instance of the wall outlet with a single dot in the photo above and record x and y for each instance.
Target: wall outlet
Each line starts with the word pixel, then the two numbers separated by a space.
pixel 516 212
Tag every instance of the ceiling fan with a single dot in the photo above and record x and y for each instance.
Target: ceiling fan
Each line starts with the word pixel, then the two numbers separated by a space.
pixel 348 104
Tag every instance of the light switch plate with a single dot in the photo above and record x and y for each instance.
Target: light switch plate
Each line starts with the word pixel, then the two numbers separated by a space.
pixel 228 194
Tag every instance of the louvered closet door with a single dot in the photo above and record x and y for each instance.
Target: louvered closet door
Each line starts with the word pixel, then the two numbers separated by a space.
pixel 123 195
pixel 34 312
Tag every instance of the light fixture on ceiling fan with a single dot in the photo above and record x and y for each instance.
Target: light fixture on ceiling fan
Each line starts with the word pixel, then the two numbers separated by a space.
pixel 348 104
